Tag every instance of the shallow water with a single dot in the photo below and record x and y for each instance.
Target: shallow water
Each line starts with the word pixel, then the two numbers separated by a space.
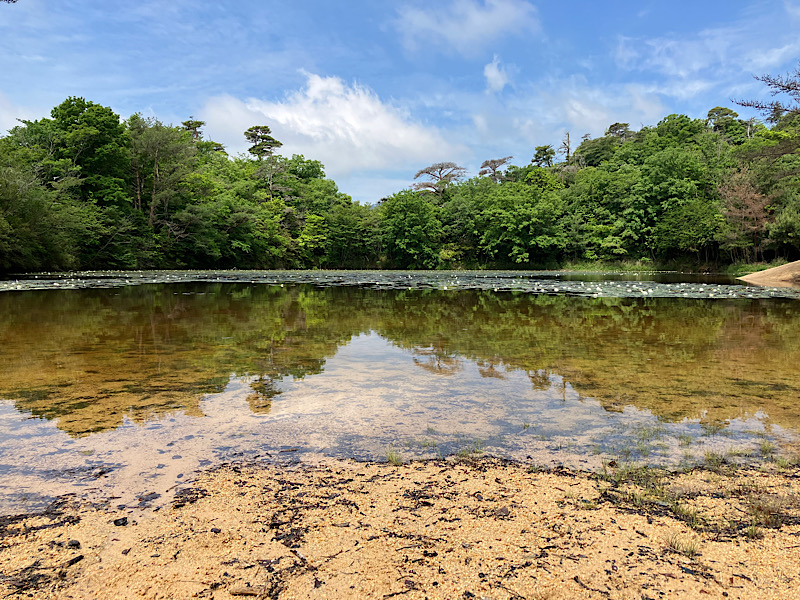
pixel 127 390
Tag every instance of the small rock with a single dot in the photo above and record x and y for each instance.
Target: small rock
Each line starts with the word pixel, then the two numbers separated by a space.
pixel 216 530
pixel 125 552
pixel 121 522
pixel 74 544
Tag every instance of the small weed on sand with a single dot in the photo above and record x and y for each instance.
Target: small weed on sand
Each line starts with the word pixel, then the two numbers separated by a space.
pixel 682 545
pixel 394 457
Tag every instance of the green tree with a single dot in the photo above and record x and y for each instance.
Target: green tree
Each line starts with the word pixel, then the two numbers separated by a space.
pixel 411 230
pixel 263 144
pixel 593 152
pixel 543 156
pixel 95 141
pixel 519 224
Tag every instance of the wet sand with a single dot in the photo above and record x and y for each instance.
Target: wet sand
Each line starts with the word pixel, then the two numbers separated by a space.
pixel 466 527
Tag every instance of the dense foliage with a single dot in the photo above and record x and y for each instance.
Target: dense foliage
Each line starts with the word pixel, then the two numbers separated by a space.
pixel 83 189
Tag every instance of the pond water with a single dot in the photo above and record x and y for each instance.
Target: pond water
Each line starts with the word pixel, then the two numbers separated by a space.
pixel 127 383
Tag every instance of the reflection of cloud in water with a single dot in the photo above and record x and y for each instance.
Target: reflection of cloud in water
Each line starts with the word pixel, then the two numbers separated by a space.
pixel 370 397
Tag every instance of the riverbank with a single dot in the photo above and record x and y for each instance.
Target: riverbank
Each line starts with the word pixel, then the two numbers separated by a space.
pixel 787 275
pixel 468 528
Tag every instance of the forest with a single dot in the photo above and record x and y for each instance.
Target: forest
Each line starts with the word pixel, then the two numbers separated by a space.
pixel 84 189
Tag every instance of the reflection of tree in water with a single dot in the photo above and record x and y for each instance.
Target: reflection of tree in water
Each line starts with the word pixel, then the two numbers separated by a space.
pixel 88 359
pixel 437 362
pixel 264 391
pixel 91 358
pixel 488 369
pixel 540 379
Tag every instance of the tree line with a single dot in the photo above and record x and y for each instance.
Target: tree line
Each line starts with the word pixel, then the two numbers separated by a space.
pixel 85 189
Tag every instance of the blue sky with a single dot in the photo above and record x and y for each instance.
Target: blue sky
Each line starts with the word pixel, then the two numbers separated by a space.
pixel 377 89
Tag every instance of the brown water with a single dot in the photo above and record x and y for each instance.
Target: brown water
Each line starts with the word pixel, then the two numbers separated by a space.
pixel 129 390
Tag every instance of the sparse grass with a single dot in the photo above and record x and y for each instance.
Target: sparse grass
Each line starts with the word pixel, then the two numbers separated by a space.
pixel 681 545
pixel 470 452
pixel 431 430
pixel 712 428
pixel 715 461
pixel 753 532
pixel 736 452
pixel 635 497
pixel 525 426
pixel 685 439
pixel 767 449
pixel 394 458
pixel 649 433
pixel 688 514
pixel 766 510
pixel 426 443
pixel 643 448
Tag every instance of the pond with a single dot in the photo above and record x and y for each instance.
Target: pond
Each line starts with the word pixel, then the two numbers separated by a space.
pixel 124 384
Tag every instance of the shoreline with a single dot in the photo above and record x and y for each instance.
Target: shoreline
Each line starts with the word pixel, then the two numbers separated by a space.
pixel 787 275
pixel 455 528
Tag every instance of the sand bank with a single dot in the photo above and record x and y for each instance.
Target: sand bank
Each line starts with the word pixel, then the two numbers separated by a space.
pixel 787 275
pixel 470 528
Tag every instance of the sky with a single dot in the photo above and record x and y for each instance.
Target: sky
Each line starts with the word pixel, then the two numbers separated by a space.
pixel 379 89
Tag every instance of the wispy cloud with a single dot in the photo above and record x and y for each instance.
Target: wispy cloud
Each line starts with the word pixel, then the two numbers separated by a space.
pixel 347 127
pixel 466 26
pixel 496 76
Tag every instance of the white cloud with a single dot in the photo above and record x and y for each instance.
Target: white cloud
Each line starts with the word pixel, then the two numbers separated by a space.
pixel 496 76
pixel 542 113
pixel 348 127
pixel 465 25
pixel 772 57
pixel 676 57
pixel 712 54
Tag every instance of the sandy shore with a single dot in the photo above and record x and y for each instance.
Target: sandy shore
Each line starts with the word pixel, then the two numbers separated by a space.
pixel 787 275
pixel 469 528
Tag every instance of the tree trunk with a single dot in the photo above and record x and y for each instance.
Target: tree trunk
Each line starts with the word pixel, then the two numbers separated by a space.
pixel 152 219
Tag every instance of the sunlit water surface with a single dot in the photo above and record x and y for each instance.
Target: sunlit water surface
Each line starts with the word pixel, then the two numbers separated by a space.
pixel 127 390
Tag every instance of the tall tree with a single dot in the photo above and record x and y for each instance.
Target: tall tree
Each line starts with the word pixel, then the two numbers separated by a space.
pixel 544 156
pixel 264 147
pixel 622 131
pixel 566 147
pixel 747 212
pixel 411 230
pixel 492 166
pixel 94 139
pixel 193 125
pixel 162 156
pixel 263 144
pixel 440 176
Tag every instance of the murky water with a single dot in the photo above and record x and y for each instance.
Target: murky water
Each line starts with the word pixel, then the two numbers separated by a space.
pixel 127 390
